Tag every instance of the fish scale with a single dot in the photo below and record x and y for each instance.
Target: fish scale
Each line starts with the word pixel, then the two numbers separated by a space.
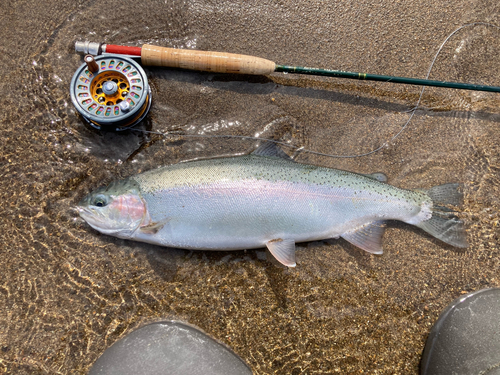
pixel 266 199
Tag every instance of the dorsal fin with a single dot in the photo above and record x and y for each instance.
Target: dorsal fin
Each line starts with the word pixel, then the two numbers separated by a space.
pixel 379 176
pixel 271 149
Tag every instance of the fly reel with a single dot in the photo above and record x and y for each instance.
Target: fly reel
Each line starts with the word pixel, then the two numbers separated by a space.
pixel 111 92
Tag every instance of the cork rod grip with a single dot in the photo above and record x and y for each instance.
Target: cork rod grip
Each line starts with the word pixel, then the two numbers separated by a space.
pixel 217 62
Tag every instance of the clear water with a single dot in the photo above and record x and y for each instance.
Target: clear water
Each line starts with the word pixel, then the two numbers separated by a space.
pixel 68 292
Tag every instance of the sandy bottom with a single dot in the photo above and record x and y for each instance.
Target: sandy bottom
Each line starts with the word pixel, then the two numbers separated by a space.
pixel 68 292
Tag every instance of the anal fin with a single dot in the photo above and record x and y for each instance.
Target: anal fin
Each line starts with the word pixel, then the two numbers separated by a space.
pixel 283 251
pixel 368 237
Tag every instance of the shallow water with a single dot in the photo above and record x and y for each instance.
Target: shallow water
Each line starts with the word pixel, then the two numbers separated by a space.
pixel 68 292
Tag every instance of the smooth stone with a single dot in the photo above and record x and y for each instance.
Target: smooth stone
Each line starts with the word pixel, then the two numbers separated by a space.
pixel 466 337
pixel 169 347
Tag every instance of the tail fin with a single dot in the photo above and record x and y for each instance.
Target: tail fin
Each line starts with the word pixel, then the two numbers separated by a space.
pixel 444 224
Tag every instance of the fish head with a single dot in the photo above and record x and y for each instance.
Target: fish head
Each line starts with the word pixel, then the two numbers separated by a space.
pixel 116 210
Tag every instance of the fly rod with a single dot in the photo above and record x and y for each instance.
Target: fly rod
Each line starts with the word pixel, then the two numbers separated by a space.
pixel 222 62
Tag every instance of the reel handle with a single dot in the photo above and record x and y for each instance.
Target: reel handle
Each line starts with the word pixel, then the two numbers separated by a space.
pixel 217 62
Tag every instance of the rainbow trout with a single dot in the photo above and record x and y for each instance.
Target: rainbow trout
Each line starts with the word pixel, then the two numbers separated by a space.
pixel 265 199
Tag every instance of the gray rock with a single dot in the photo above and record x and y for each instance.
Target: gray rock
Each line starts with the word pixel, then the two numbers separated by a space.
pixel 466 337
pixel 169 347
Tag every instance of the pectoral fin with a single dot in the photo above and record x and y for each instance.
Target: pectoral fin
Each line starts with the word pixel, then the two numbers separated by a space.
pixel 283 251
pixel 368 237
pixel 154 227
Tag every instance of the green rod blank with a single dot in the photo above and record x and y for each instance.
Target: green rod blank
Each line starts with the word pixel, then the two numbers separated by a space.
pixel 382 78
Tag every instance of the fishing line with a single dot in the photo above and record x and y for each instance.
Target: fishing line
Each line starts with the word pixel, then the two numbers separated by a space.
pixel 414 109
pixel 246 137
pixel 299 150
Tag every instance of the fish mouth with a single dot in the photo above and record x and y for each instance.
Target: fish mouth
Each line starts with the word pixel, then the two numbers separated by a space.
pixel 102 223
pixel 83 210
pixel 95 219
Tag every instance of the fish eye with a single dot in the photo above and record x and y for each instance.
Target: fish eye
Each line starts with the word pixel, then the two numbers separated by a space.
pixel 100 201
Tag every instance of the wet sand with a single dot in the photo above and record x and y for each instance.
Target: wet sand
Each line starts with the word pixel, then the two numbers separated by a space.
pixel 68 292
